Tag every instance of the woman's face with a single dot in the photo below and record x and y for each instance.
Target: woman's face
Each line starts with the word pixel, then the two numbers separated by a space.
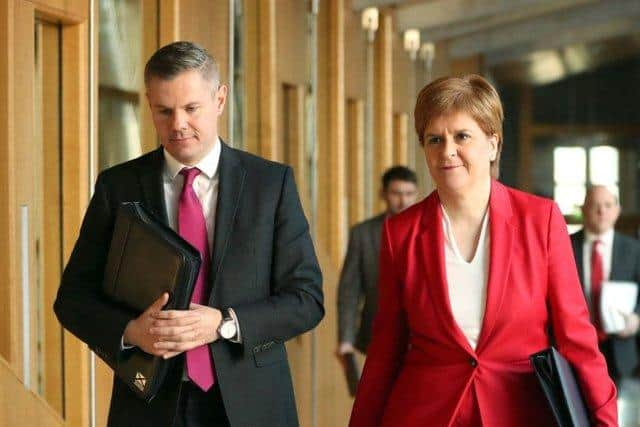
pixel 458 152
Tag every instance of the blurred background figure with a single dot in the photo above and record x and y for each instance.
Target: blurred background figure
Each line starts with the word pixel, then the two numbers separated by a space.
pixel 604 255
pixel 357 289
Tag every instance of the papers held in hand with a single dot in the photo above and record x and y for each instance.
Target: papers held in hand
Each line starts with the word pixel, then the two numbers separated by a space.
pixel 617 300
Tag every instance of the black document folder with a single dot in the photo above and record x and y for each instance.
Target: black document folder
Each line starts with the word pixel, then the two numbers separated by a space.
pixel 558 382
pixel 146 259
pixel 351 372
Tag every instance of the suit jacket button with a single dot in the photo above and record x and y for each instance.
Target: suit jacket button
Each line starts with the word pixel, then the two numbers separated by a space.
pixel 473 362
pixel 256 349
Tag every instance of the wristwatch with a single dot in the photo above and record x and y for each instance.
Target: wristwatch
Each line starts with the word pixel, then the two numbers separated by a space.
pixel 228 328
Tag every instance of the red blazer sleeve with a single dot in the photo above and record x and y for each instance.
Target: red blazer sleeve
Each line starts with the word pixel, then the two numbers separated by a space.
pixel 574 335
pixel 388 345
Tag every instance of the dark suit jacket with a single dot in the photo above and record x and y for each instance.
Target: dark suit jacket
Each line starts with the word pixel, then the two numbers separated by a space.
pixel 358 288
pixel 263 265
pixel 625 266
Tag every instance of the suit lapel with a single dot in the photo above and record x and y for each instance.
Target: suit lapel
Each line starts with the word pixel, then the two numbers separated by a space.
pixel 432 245
pixel 231 181
pixel 151 183
pixel 376 231
pixel 616 254
pixel 502 232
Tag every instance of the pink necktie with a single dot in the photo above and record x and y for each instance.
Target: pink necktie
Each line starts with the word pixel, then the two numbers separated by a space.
pixel 597 276
pixel 193 228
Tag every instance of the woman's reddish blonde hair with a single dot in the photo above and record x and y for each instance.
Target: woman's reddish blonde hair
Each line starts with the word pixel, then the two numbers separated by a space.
pixel 470 94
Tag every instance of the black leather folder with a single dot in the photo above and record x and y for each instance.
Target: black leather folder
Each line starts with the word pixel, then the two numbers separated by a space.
pixel 147 258
pixel 558 382
pixel 351 372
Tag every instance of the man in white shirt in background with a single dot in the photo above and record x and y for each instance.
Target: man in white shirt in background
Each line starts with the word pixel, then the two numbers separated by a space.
pixel 604 255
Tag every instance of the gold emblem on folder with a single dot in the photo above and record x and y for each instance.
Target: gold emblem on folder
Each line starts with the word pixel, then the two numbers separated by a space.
pixel 140 381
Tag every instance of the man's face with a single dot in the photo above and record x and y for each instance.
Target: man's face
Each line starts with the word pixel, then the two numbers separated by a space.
pixel 185 113
pixel 600 210
pixel 399 195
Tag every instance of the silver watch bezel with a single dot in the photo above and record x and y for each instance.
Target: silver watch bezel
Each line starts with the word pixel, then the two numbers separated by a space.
pixel 228 325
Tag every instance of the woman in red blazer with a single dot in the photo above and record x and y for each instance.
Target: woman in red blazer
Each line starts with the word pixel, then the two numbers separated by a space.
pixel 505 259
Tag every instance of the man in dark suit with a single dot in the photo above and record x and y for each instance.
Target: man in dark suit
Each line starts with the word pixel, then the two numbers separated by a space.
pixel 357 290
pixel 260 283
pixel 605 255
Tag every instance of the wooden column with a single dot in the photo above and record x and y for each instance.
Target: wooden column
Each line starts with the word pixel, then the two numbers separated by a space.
pixel 169 21
pixel 8 274
pixel 336 131
pixel 383 100
pixel 150 43
pixel 24 98
pixel 267 83
pixel 295 141
pixel 356 160
pixel 75 177
pixel 470 65
pixel 400 138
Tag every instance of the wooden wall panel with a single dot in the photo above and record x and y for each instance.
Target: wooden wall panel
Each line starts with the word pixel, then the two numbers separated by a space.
pixel 355 47
pixel 19 407
pixel 355 120
pixel 300 348
pixel 150 43
pixel 400 138
pixel 24 188
pixel 8 273
pixel 336 123
pixel 383 100
pixel 292 62
pixel 267 85
pixel 75 181
pixel 207 23
pixel 50 215
pixel 250 49
pixel 65 11
pixel 168 21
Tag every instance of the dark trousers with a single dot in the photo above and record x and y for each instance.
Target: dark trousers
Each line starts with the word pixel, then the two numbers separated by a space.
pixel 200 409
pixel 606 347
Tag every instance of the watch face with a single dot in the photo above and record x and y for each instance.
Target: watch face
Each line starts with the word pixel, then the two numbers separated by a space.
pixel 228 330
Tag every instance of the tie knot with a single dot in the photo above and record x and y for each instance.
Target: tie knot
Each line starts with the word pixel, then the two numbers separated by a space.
pixel 597 243
pixel 189 175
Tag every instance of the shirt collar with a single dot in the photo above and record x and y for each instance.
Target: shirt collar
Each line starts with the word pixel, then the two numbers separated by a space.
pixel 208 165
pixel 606 238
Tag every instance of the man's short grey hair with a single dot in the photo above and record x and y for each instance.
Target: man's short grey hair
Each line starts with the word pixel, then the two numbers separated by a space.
pixel 178 57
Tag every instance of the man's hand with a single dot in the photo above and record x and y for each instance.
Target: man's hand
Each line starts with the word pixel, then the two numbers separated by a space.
pixel 177 331
pixel 137 332
pixel 344 348
pixel 632 322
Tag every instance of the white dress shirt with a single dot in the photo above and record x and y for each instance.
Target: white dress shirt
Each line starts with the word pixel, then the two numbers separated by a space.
pixel 606 252
pixel 467 281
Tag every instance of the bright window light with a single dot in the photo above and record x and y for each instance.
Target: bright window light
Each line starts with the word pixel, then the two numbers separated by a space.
pixel 603 165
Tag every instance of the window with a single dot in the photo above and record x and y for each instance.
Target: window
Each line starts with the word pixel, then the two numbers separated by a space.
pixel 572 166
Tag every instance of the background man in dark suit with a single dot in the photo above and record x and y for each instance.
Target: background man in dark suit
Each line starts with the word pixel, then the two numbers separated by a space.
pixel 357 291
pixel 262 282
pixel 603 254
